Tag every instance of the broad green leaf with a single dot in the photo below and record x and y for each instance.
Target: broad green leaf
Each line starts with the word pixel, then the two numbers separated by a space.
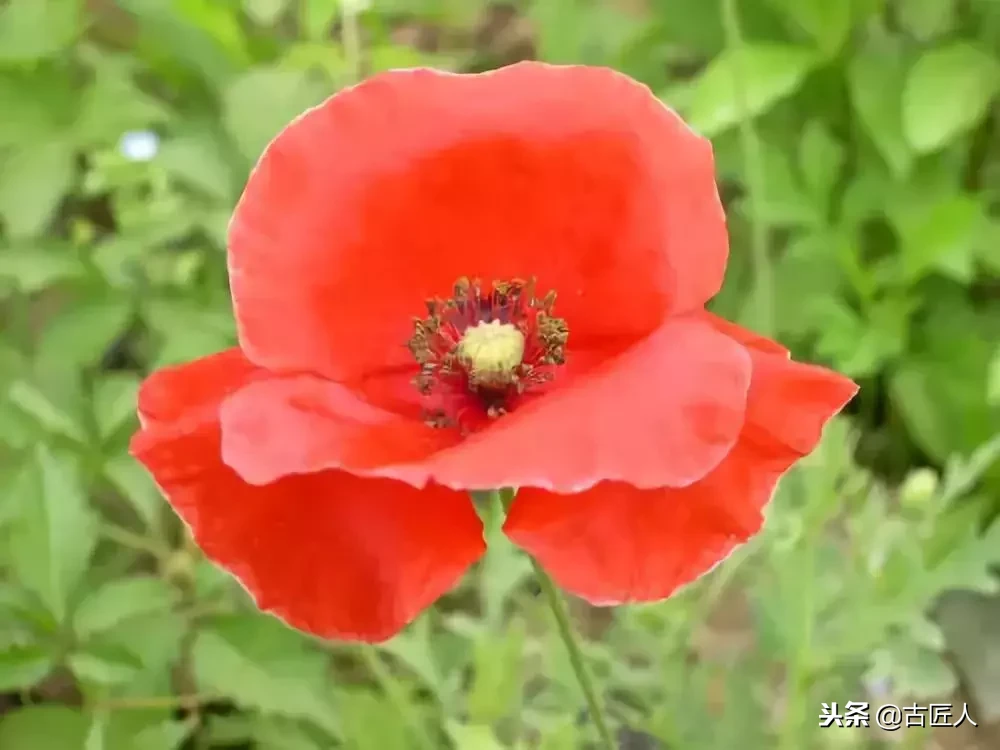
pixel 36 727
pixel 101 664
pixel 121 600
pixel 33 180
pixel 372 723
pixel 137 487
pixel 317 16
pixel 82 332
pixel 287 93
pixel 34 29
pixel 766 73
pixel 497 674
pixel 876 82
pixel 197 159
pixel 114 402
pixel 34 267
pixel 51 416
pixel 265 12
pixel 826 21
pixel 820 158
pixel 941 237
pixel 261 664
pixel 926 19
pixel 56 533
pixel 473 737
pixel 23 667
pixel 947 92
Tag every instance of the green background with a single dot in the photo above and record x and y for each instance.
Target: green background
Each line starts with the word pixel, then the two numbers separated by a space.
pixel 858 150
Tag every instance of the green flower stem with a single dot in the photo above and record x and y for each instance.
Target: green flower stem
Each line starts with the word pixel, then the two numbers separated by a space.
pixel 583 676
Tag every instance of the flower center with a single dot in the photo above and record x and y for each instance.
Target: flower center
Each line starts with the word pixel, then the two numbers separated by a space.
pixel 491 351
pixel 481 350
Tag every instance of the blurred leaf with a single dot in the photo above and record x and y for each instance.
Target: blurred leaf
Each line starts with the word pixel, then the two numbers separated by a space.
pixel 318 16
pixel 114 402
pixel 820 157
pixel 57 533
pixel 826 21
pixel 287 93
pixel 473 737
pixel 941 237
pixel 117 601
pixel 101 664
pixel 50 415
pixel 769 72
pixel 197 159
pixel 265 12
pixel 33 181
pixel 372 723
pixel 926 19
pixel 136 486
pixel 914 671
pixel 876 82
pixel 22 667
pixel 43 727
pixel 947 91
pixel 32 268
pixel 82 332
pixel 261 664
pixel 33 29
pixel 497 674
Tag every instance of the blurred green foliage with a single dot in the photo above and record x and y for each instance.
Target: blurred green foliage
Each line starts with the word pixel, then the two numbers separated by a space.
pixel 858 152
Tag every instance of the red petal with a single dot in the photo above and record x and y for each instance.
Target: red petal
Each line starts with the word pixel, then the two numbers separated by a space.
pixel 301 424
pixel 615 543
pixel 663 413
pixel 173 394
pixel 745 336
pixel 390 191
pixel 330 553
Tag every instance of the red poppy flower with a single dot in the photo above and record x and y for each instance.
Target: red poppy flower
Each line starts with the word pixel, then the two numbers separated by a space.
pixel 446 283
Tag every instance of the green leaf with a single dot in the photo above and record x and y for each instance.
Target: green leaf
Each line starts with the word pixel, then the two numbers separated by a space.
pixel 121 600
pixel 926 19
pixel 35 29
pixel 103 664
pixel 23 667
pixel 287 93
pixel 56 535
pixel 37 727
pixel 114 402
pixel 820 159
pixel 497 674
pixel 826 21
pixel 876 81
pixel 32 268
pixel 371 723
pixel 941 237
pixel 136 486
pixel 767 72
pixel 266 12
pixel 80 335
pixel 947 92
pixel 50 416
pixel 33 180
pixel 261 664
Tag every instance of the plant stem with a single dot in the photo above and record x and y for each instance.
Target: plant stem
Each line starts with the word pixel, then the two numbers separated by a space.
pixel 763 293
pixel 399 701
pixel 350 39
pixel 583 677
